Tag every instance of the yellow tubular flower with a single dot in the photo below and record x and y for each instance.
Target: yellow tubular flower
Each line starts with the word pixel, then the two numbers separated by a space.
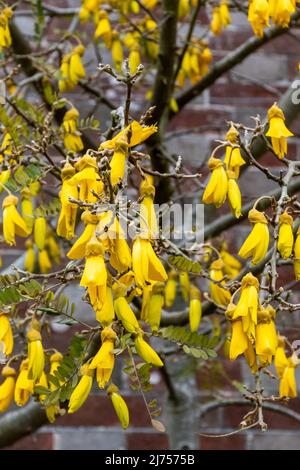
pixel 156 303
pixel 104 360
pixel 278 131
pixel 281 11
pixel 233 158
pixel 76 69
pixel 45 264
pixel 225 13
pixel 55 362
pixel 138 133
pixel 24 386
pixel 6 335
pixel 67 218
pixel 103 29
pixel 29 262
pixel 5 37
pixel 148 220
pixel 95 274
pixel 216 22
pixel 234 194
pixel 247 305
pixel 147 290
pixel 218 294
pixel 117 51
pixel 257 243
pixel 280 359
pixel 195 309
pixel 4 177
pixel 146 265
pixel 87 178
pixel 35 188
pixel 150 4
pixel 119 405
pixel 72 136
pixel 134 58
pixel 36 355
pixel 184 282
pixel 216 190
pixel 123 310
pixel 232 266
pixel 288 386
pixel 27 209
pixel 145 351
pixel 183 8
pixel 78 249
pixel 286 237
pixel 13 224
pixel 40 228
pixel 171 288
pixel 106 314
pixel 118 161
pixel 82 389
pixel 258 16
pixel 53 247
pixel 239 342
pixel 7 388
pixel 266 336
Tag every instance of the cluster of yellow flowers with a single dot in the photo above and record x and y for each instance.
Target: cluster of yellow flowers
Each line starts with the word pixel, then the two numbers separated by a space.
pixel 220 18
pixel 261 11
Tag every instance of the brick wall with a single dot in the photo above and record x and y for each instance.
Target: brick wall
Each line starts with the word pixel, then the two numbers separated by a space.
pixel 246 91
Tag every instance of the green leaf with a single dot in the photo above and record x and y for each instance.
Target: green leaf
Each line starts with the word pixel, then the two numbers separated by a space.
pixel 183 263
pixel 40 390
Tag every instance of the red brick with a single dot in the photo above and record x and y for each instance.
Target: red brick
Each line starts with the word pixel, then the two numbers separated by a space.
pixel 36 441
pixel 234 442
pixel 147 441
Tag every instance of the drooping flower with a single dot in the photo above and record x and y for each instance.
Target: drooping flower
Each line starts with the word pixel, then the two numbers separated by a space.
pixel 7 388
pixel 103 28
pixel 218 294
pixel 234 194
pixel 72 136
pixel 117 50
pixel 118 161
pixel 266 341
pixel 5 37
pixel 67 217
pixel 82 389
pixel 87 178
pixel 288 385
pixel 248 304
pixel 216 22
pixel 36 356
pixel 278 131
pixel 280 359
pixel 40 229
pixel 29 262
pixel 6 335
pixel 171 288
pixel 104 360
pixel 119 405
pixel 184 282
pixel 281 11
pixel 195 308
pixel 90 221
pixel 134 58
pixel 257 243
pixel 123 310
pixel 285 237
pixel 71 69
pixel 232 266
pixel 146 265
pixel 156 303
pixel 258 16
pixel 216 190
pixel 13 224
pixel 24 385
pixel 148 220
pixel 233 158
pixel 239 342
pixel 45 264
pixel 145 351
pixel 27 209
pixel 137 133
pixel 94 276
